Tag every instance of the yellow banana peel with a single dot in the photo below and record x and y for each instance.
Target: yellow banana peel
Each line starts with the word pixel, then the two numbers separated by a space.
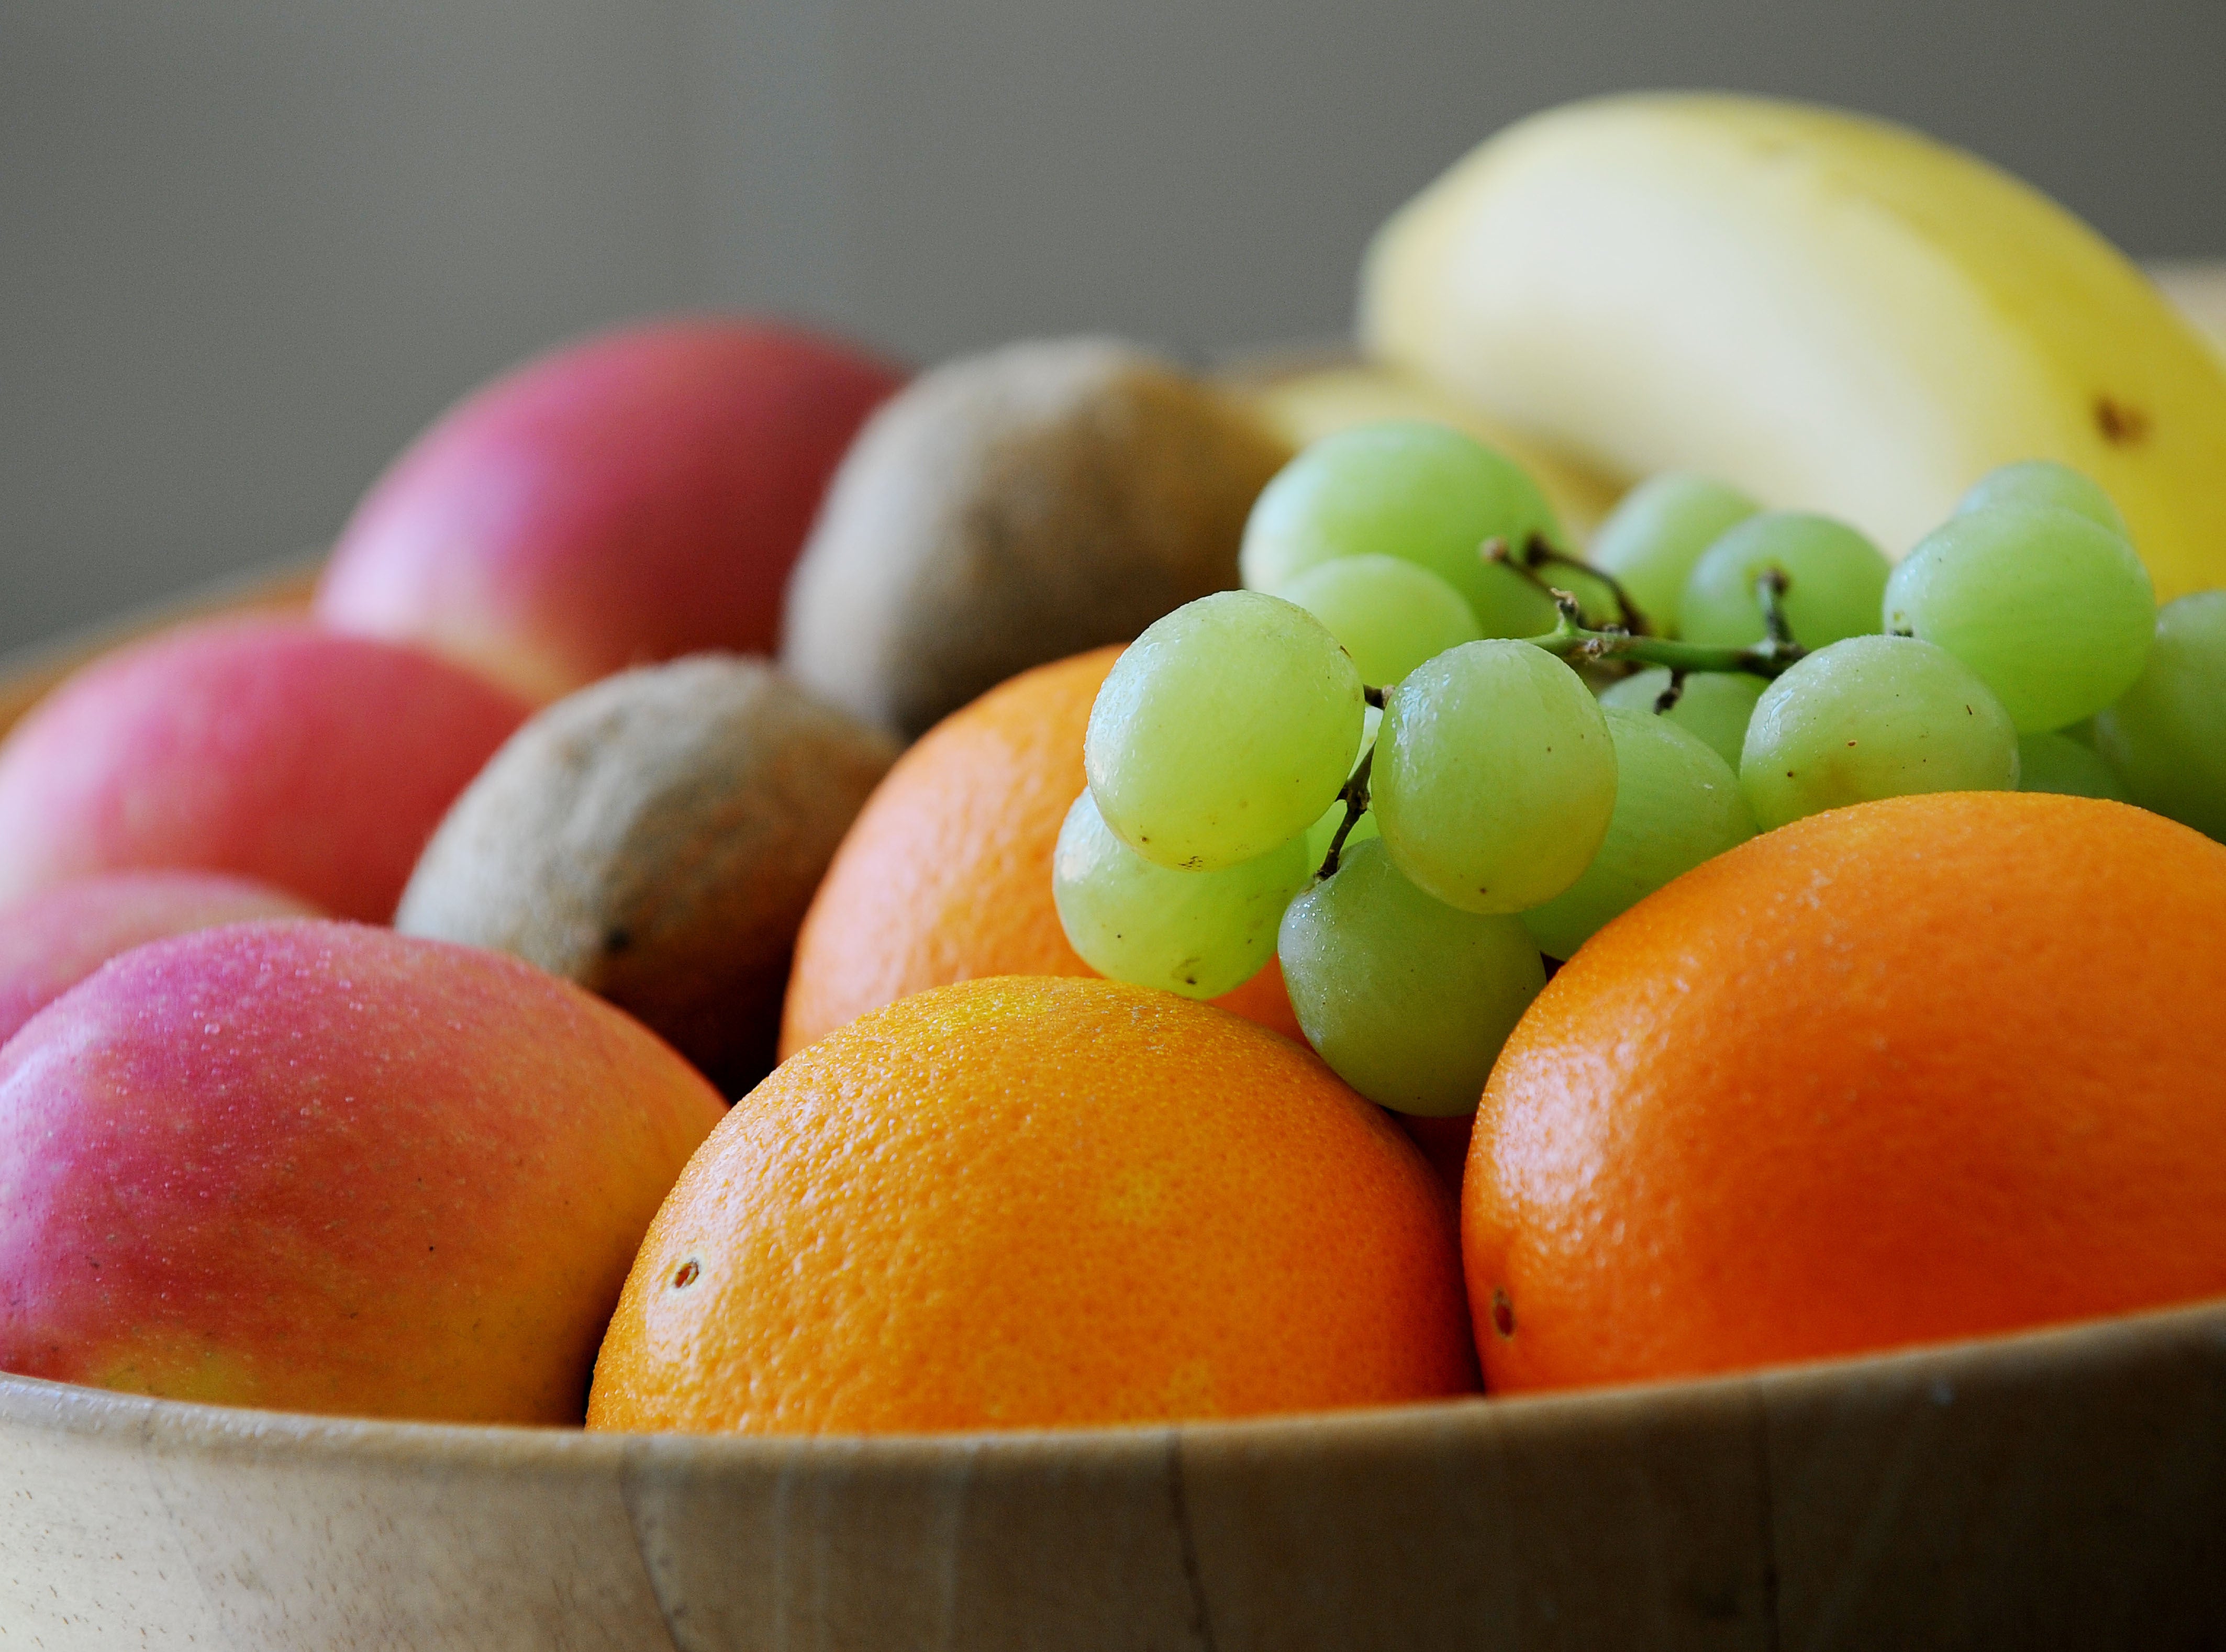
pixel 1831 312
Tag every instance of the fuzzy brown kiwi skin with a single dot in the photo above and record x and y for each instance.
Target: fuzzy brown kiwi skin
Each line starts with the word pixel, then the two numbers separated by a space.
pixel 656 838
pixel 1013 508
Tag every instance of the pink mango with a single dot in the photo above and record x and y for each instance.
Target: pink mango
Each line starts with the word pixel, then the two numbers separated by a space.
pixel 51 942
pixel 326 1167
pixel 630 499
pixel 270 749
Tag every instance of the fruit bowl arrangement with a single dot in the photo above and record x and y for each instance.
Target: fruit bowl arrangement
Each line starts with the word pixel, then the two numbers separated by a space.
pixel 1287 1017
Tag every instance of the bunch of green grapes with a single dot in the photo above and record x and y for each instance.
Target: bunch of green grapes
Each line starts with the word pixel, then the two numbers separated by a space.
pixel 1382 763
pixel 1361 764
pixel 2017 645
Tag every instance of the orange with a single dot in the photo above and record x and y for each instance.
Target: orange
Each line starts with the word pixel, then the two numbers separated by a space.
pixel 1911 1071
pixel 1033 1201
pixel 946 873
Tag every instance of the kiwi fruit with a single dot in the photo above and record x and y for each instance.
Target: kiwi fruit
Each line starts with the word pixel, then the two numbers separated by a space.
pixel 656 837
pixel 1015 508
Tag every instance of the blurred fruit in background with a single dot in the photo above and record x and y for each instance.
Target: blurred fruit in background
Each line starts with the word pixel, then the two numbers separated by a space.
pixel 1308 401
pixel 1013 508
pixel 50 942
pixel 2198 290
pixel 632 496
pixel 1827 311
pixel 316 762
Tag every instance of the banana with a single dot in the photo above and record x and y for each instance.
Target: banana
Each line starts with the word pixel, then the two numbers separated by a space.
pixel 1313 400
pixel 1835 314
pixel 2200 290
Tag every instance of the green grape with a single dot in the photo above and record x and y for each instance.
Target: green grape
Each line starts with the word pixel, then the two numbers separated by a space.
pixel 1223 731
pixel 1653 536
pixel 2042 482
pixel 1872 717
pixel 1834 578
pixel 2054 613
pixel 1389 614
pixel 1406 999
pixel 2166 736
pixel 1676 804
pixel 1412 489
pixel 1494 777
pixel 2056 762
pixel 1198 933
pixel 1715 705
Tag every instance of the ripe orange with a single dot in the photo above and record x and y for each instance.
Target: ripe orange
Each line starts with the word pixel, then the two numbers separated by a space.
pixel 1027 1201
pixel 1915 1069
pixel 946 874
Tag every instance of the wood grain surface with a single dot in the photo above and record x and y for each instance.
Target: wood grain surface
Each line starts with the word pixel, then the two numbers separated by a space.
pixel 2063 1489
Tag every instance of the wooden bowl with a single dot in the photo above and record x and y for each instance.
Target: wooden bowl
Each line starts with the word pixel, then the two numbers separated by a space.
pixel 2062 1488
pixel 2065 1488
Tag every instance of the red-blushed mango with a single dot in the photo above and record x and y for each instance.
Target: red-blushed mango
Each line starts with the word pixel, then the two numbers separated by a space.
pixel 316 762
pixel 325 1167
pixel 629 499
pixel 51 942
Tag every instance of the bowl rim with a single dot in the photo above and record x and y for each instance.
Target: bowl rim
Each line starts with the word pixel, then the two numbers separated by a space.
pixel 43 1405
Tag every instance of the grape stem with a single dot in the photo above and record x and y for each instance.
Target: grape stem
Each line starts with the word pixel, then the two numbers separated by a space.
pixel 1354 796
pixel 1539 552
pixel 1770 588
pixel 1571 640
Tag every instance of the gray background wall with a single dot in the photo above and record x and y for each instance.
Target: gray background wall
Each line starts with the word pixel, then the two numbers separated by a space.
pixel 247 247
